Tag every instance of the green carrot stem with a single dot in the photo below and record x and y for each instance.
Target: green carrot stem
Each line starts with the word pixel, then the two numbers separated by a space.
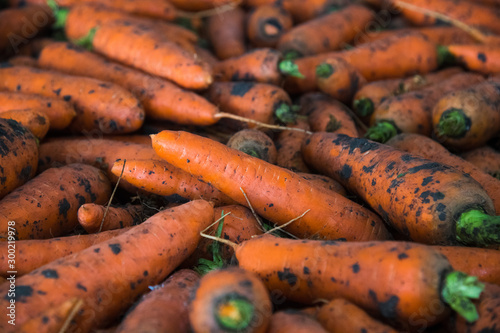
pixel 324 70
pixel 444 56
pixel 288 67
pixel 292 55
pixel 333 124
pixel 381 132
pixel 453 123
pixel 363 107
pixel 285 113
pixel 459 288
pixel 474 227
pixel 234 313
pixel 87 41
pixel 251 151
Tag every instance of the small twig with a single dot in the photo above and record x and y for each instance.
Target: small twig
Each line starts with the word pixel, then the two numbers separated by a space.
pixel 288 223
pixel 112 196
pixel 253 211
pixel 258 123
pixel 218 239
pixel 74 310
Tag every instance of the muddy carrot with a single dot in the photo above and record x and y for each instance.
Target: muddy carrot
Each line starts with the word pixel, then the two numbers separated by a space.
pixel 91 217
pixel 34 120
pixel 468 118
pixel 324 182
pixel 33 48
pixel 325 33
pixel 327 213
pixel 485 158
pixel 33 252
pixel 18 156
pixel 161 98
pixel 230 299
pixel 423 200
pixel 294 321
pixel 412 112
pixel 254 143
pixel 127 264
pixel 165 308
pixel 288 147
pixel 162 178
pixel 226 33
pixel 199 5
pixel 267 23
pixel 475 57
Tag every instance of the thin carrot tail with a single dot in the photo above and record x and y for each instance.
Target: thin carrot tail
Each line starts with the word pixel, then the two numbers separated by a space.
pixel 381 132
pixel 459 288
pixel 474 227
pixel 363 107
pixel 453 123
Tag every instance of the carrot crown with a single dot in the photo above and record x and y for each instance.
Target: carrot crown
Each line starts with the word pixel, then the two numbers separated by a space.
pixel 381 132
pixel 204 265
pixel 87 41
pixel 474 227
pixel 60 14
pixel 459 288
pixel 453 123
pixel 288 67
pixel 363 107
pixel 285 113
pixel 234 313
pixel 324 70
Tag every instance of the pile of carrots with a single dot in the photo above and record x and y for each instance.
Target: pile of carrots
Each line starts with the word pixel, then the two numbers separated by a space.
pixel 250 166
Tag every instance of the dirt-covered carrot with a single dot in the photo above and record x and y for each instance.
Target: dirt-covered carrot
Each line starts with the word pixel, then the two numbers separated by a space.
pixel 325 33
pixel 226 33
pixel 423 200
pixel 162 178
pixel 468 118
pixel 324 182
pixel 32 253
pixel 329 215
pixel 18 156
pixel 254 143
pixel 47 205
pixel 475 57
pixel 199 5
pixel 433 150
pixel 339 79
pixel 100 106
pixel 412 112
pixel 371 95
pixel 288 147
pixel 400 281
pixel 230 299
pixel 267 23
pixel 326 114
pixel 91 217
pixel 127 264
pixel 34 120
pixel 385 60
pixel 340 315
pixel 294 321
pixel 485 158
pixel 165 308
pixel 161 98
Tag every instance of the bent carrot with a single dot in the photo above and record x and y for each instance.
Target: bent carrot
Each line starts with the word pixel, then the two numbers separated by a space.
pixel 18 156
pixel 424 201
pixel 161 98
pixel 487 307
pixel 485 158
pixel 220 165
pixel 34 253
pixel 128 264
pixel 294 321
pixel 254 143
pixel 34 120
pixel 479 58
pixel 226 33
pixel 47 205
pixel 230 299
pixel 432 150
pixel 100 106
pixel 288 147
pixel 267 23
pixel 91 217
pixel 165 308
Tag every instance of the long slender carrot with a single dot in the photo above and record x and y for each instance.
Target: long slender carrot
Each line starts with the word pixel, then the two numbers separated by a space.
pixel 412 112
pixel 161 98
pixel 100 106
pixel 476 57
pixel 267 23
pixel 423 200
pixel 432 150
pixel 230 299
pixel 162 178
pixel 34 253
pixel 127 265
pixel 288 147
pixel 325 33
pixel 226 33
pixel 485 158
pixel 255 143
pixel 96 218
pixel 47 205
pixel 328 216
pixel 34 120
pixel 18 156
pixel 294 321
pixel 165 308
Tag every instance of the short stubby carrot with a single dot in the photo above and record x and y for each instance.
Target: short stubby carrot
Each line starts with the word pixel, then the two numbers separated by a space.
pixel 288 147
pixel 165 308
pixel 127 264
pixel 294 321
pixel 18 156
pixel 328 216
pixel 485 158
pixel 267 23
pixel 47 205
pixel 254 143
pixel 230 299
pixel 100 106
pixel 161 98
pixel 59 112
pixel 162 178
pixel 35 121
pixel 476 57
pixel 423 200
pixel 96 218
pixel 226 33
pixel 326 33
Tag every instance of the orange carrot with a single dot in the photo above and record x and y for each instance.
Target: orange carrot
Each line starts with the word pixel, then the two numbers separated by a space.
pixel 254 143
pixel 165 308
pixel 127 265
pixel 476 57
pixel 47 205
pixel 21 60
pixel 288 148
pixel 267 23
pixel 34 120
pixel 294 321
pixel 485 158
pixel 329 215
pixel 91 217
pixel 423 200
pixel 100 106
pixel 18 156
pixel 327 183
pixel 230 299
pixel 226 33
pixel 34 47
pixel 198 5
pixel 139 138
pixel 32 253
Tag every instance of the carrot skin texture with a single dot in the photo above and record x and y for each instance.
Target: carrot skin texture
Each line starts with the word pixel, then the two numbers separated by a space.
pixel 171 236
pixel 325 182
pixel 307 270
pixel 288 145
pixel 161 98
pixel 478 58
pixel 100 106
pixel 487 307
pixel 33 252
pixel 297 322
pixel 90 217
pixel 165 309
pixel 267 23
pixel 485 158
pixel 48 203
pixel 417 206
pixel 18 156
pixel 36 121
pixel 226 32
pixel 260 181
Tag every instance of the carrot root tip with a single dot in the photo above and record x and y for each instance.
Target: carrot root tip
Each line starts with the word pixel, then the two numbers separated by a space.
pixel 459 288
pixel 381 132
pixel 234 313
pixel 324 70
pixel 474 227
pixel 285 113
pixel 453 123
pixel 288 67
pixel 363 107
